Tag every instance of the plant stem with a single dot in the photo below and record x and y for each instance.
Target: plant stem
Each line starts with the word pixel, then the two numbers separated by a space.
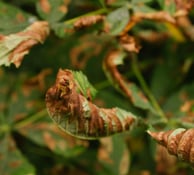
pixel 31 119
pixel 146 89
pixel 97 12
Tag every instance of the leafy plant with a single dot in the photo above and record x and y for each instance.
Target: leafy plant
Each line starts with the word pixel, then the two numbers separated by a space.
pixel 125 76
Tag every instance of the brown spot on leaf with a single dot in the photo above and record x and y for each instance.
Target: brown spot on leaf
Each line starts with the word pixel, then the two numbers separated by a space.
pixel 45 6
pixel 129 43
pixel 15 164
pixel 88 21
pixel 105 150
pixel 20 17
pixel 50 141
pixel 63 9
pixel 187 106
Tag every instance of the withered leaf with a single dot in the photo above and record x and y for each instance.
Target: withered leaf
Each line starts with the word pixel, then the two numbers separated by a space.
pixel 14 47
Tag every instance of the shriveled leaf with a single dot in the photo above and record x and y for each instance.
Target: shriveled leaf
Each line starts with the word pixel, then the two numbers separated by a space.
pixel 78 116
pixel 117 20
pixel 13 19
pixel 114 155
pixel 14 46
pixel 84 85
pixel 12 161
pixel 128 88
pixel 52 10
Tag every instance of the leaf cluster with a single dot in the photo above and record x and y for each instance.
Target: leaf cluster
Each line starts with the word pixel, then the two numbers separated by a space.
pixel 160 68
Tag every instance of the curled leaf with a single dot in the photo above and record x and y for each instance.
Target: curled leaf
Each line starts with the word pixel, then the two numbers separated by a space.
pixel 129 89
pixel 14 46
pixel 88 21
pixel 179 142
pixel 79 117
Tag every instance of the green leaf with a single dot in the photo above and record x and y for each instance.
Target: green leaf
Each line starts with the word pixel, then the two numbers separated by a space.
pixel 63 29
pixel 12 161
pixel 171 7
pixel 120 3
pixel 140 1
pixel 46 134
pixel 163 76
pixel 52 10
pixel 143 8
pixel 180 103
pixel 84 85
pixel 20 98
pixel 13 19
pixel 117 20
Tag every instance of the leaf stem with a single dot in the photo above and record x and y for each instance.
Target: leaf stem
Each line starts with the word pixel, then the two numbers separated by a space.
pixel 146 89
pixel 97 12
pixel 31 119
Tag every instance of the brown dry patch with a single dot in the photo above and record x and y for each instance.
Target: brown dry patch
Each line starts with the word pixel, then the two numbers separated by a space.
pixel 105 150
pixel 159 16
pixel 14 97
pixel 19 116
pixel 187 106
pixel 153 37
pixel 20 17
pixel 165 163
pixel 80 54
pixel 63 9
pixel 38 80
pixel 184 5
pixel 124 163
pixel 87 21
pixel 129 43
pixel 49 140
pixel 45 6
pixel 15 164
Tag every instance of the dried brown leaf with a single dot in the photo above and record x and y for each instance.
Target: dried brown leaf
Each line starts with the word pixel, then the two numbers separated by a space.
pixel 78 116
pixel 15 46
pixel 179 142
pixel 88 21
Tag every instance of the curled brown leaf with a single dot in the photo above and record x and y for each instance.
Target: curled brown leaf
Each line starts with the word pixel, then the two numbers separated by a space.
pixel 78 116
pixel 179 142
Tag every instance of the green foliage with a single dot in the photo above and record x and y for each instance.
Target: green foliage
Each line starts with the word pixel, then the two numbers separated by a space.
pixel 117 20
pixel 84 85
pixel 13 19
pixel 163 71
